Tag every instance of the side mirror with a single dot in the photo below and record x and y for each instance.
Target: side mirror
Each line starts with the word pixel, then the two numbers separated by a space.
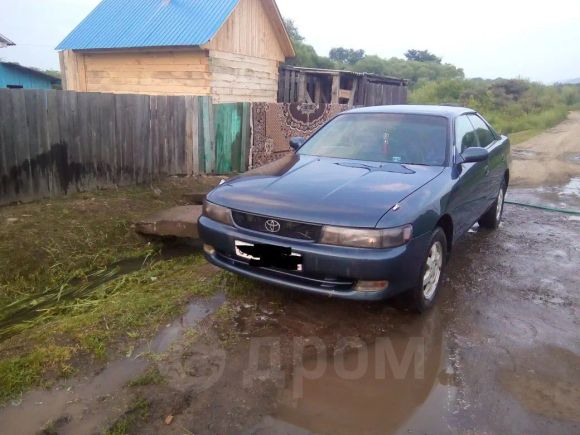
pixel 296 142
pixel 474 154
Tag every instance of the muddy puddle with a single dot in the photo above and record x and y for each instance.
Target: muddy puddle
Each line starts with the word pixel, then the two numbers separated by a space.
pixel 565 196
pixel 398 382
pixel 88 405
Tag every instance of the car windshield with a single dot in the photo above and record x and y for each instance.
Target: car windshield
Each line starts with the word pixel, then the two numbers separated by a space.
pixel 382 137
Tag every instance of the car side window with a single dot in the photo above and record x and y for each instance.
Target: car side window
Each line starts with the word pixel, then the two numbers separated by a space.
pixel 464 134
pixel 482 131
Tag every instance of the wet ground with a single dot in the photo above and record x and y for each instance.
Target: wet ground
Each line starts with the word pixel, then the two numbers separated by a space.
pixel 549 159
pixel 500 353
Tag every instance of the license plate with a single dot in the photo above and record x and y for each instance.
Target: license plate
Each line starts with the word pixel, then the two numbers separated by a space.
pixel 262 255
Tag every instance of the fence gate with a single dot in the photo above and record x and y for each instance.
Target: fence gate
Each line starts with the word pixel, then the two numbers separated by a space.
pixel 232 137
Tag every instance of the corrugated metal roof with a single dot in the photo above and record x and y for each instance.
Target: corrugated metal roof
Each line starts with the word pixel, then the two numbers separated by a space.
pixel 17 66
pixel 149 23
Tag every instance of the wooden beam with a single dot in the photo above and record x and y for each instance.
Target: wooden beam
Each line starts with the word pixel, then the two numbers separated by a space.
pixel 317 90
pixel 335 89
pixel 353 93
pixel 301 87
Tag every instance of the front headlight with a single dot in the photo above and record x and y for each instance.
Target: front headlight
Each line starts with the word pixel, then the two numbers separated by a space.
pixel 366 238
pixel 218 213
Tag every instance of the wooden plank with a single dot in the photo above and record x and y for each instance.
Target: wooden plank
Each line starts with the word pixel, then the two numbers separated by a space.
pixel 335 89
pixel 237 141
pixel 107 164
pixel 292 95
pixel 351 100
pixel 301 87
pixel 267 38
pixel 140 137
pixel 246 141
pixel 225 126
pixel 207 136
pixel 67 107
pixel 86 161
pixel 191 135
pixel 39 147
pixel 125 172
pixel 317 90
pixel 280 88
pixel 154 136
pixel 21 145
pixel 286 86
pixel 362 90
pixel 52 116
pixel 171 130
pixel 8 161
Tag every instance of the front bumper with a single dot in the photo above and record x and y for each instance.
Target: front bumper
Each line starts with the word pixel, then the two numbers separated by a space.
pixel 326 270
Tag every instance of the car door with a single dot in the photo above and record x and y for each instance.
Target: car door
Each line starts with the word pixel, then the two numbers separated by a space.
pixel 489 140
pixel 467 200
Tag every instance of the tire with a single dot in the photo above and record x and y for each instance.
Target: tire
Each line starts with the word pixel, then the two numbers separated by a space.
pixel 492 218
pixel 423 295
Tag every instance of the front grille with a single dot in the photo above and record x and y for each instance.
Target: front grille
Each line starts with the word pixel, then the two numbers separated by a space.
pixel 291 229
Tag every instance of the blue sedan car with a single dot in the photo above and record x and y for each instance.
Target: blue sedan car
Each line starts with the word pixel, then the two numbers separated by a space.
pixel 370 206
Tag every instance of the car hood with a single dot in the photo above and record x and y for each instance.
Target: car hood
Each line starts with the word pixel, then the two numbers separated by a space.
pixel 323 190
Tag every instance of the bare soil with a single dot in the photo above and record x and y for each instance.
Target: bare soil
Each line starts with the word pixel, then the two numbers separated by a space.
pixel 550 158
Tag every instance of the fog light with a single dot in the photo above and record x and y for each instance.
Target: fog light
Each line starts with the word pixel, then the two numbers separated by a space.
pixel 208 249
pixel 371 286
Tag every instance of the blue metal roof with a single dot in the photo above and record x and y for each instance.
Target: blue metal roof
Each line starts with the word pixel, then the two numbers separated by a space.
pixel 149 23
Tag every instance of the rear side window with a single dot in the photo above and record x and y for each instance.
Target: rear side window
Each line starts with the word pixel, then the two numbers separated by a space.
pixel 464 134
pixel 482 131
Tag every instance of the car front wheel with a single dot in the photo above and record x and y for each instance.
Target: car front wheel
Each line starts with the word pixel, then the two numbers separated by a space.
pixel 423 295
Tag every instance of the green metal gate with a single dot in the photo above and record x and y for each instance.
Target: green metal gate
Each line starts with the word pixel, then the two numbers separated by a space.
pixel 225 146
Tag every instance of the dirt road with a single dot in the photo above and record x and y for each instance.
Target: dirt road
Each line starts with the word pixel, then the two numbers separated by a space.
pixel 551 158
pixel 500 353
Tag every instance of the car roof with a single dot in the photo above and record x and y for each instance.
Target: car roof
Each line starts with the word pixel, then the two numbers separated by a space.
pixel 446 111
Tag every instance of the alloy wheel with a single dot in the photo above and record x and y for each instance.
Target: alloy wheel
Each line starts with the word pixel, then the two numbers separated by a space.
pixel 433 268
pixel 499 207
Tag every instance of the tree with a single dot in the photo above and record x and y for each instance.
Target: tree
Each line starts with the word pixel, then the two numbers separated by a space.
pixel 292 30
pixel 346 56
pixel 306 55
pixel 422 56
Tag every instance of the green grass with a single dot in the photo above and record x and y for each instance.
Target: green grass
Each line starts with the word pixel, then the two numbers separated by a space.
pixel 19 372
pixel 117 312
pixel 507 122
pixel 522 136
pixel 138 411
pixel 62 305
pixel 150 377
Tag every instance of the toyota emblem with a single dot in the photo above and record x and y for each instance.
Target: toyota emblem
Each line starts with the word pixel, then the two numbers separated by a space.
pixel 272 226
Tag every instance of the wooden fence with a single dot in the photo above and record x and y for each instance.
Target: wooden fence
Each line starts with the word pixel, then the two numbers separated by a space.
pixel 55 142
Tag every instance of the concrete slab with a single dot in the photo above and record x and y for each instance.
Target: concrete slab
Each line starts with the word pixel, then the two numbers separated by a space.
pixel 174 222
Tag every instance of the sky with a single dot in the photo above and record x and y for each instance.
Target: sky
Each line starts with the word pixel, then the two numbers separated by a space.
pixel 495 38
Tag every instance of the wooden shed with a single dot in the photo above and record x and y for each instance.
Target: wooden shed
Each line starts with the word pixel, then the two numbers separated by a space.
pixel 313 85
pixel 228 49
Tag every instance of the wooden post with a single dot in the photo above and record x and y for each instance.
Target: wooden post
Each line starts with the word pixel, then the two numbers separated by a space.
pixel 317 90
pixel 301 87
pixel 353 92
pixel 286 87
pixel 335 88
